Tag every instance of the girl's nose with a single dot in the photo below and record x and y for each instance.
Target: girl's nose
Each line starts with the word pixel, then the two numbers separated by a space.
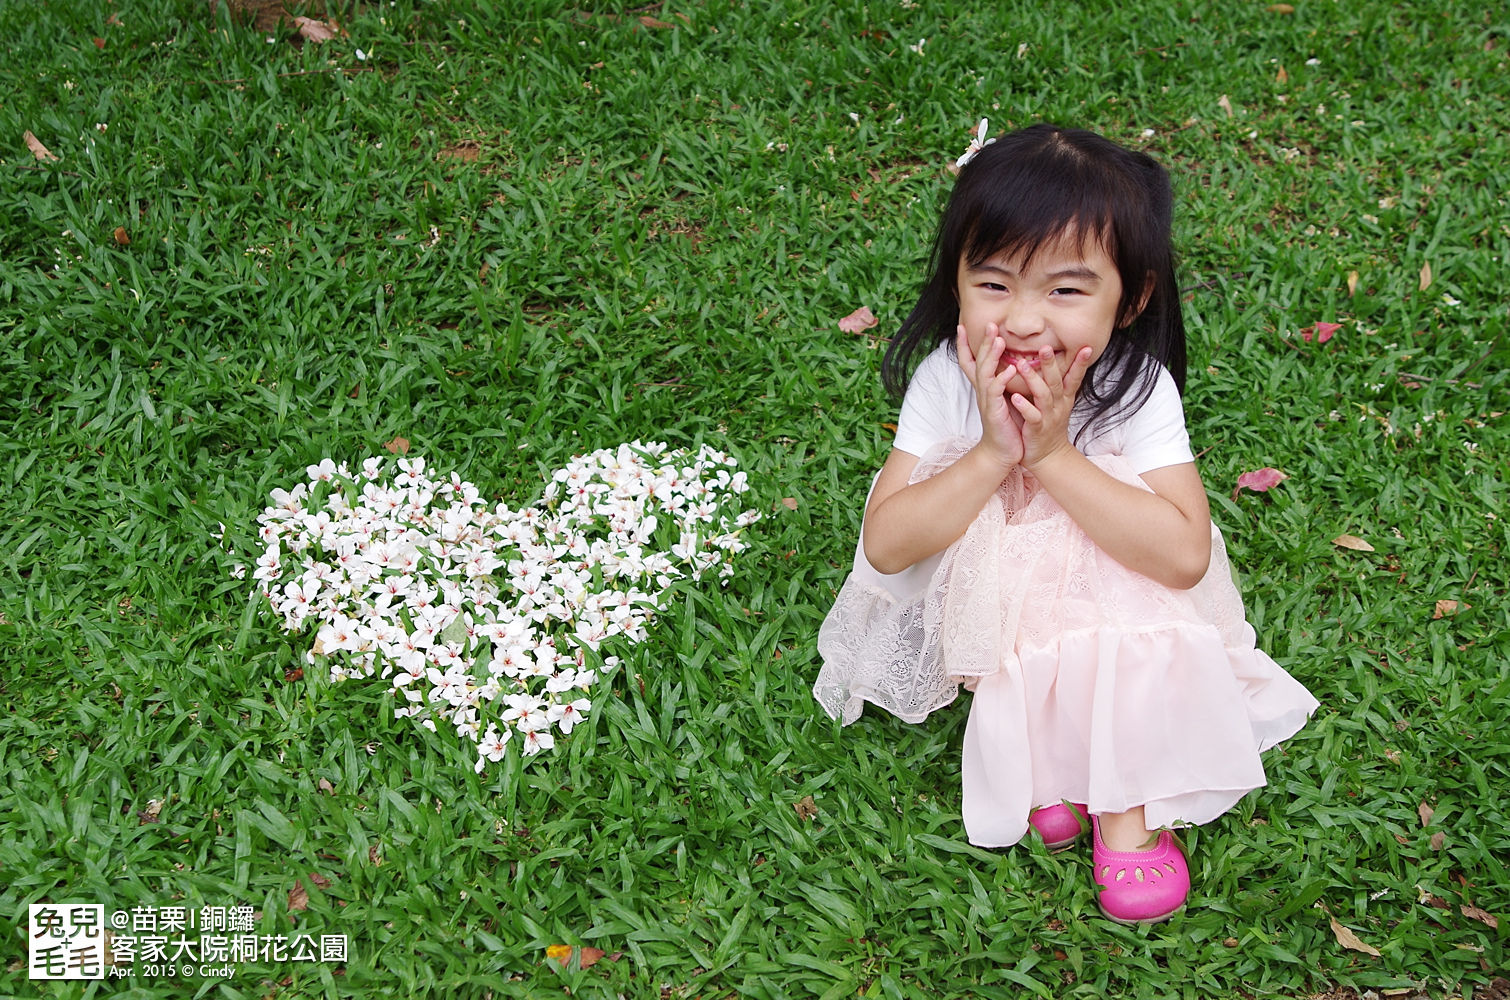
pixel 1022 318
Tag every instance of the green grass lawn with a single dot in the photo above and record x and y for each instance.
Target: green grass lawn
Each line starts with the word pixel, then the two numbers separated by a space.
pixel 516 232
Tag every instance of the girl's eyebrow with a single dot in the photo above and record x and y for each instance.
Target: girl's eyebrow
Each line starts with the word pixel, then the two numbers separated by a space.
pixel 1073 273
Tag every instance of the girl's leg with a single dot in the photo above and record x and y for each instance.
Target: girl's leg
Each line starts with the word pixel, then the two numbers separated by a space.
pixel 1126 831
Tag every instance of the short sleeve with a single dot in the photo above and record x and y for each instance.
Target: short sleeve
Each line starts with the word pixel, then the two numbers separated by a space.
pixel 1155 436
pixel 938 405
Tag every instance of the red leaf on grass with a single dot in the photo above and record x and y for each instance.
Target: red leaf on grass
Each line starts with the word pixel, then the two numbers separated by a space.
pixel 858 321
pixel 1322 332
pixel 1260 480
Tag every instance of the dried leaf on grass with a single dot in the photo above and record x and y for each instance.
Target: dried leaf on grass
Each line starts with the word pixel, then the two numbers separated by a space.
pixel 398 446
pixel 1425 276
pixel 1425 812
pixel 298 897
pixel 1481 916
pixel 1352 542
pixel 38 150
pixel 151 813
pixel 860 320
pixel 1447 608
pixel 1349 940
pixel 122 238
pixel 806 809
pixel 318 31
pixel 587 957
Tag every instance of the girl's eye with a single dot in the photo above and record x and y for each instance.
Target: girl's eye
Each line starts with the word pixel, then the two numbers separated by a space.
pixel 1066 291
pixel 993 286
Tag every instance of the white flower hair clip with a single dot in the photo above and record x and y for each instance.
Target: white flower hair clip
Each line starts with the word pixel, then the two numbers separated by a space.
pixel 977 144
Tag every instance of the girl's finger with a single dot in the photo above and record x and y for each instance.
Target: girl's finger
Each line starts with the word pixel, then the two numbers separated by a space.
pixel 1031 414
pixel 962 348
pixel 1038 385
pixel 1075 376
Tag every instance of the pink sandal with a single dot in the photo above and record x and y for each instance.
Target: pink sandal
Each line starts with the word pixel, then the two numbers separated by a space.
pixel 1140 887
pixel 1059 826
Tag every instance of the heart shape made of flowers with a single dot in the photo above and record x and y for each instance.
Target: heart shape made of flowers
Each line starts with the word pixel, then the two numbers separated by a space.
pixel 488 619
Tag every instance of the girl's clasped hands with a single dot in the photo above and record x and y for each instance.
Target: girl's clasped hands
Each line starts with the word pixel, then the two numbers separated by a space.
pixel 1017 429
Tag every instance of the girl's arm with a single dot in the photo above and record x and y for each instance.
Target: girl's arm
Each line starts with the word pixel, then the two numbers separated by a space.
pixel 903 523
pixel 1165 535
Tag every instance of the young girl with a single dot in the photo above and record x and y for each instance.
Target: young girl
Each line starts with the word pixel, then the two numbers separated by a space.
pixel 1039 531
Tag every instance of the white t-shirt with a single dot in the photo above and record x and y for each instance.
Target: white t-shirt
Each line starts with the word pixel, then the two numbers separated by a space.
pixel 940 404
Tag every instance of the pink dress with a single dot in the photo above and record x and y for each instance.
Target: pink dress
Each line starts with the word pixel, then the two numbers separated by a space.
pixel 1092 683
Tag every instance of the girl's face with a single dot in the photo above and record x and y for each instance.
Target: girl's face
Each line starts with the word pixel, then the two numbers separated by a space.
pixel 1066 299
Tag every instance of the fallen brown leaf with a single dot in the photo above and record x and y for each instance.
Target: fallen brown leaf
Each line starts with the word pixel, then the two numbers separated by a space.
pixel 153 810
pixel 1281 76
pixel 318 31
pixel 1225 103
pixel 38 150
pixel 325 786
pixel 122 237
pixel 1352 282
pixel 1438 840
pixel 1425 812
pixel 319 880
pixel 293 675
pixel 298 897
pixel 1446 609
pixel 790 503
pixel 1352 542
pixel 99 43
pixel 1425 276
pixel 1281 8
pixel 806 809
pixel 398 446
pixel 588 957
pixel 651 22
pixel 1481 916
pixel 1349 940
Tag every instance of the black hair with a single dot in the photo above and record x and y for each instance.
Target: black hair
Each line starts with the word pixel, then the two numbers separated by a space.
pixel 1025 191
